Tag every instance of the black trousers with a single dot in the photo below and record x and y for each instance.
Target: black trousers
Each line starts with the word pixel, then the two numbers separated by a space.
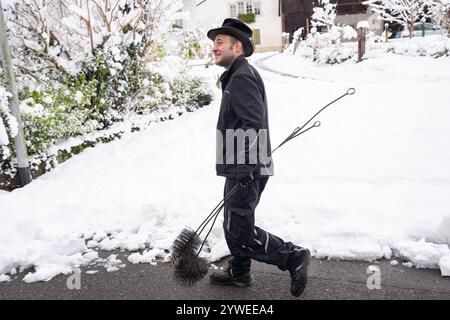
pixel 247 241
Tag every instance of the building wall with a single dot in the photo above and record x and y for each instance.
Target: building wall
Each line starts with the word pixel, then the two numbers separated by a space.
pixel 211 14
pixel 269 22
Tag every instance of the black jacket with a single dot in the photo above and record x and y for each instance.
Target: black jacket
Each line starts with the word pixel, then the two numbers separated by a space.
pixel 243 106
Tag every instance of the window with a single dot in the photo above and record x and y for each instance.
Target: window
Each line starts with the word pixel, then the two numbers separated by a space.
pixel 257 7
pixel 249 7
pixel 241 7
pixel 233 12
pixel 178 24
pixel 256 39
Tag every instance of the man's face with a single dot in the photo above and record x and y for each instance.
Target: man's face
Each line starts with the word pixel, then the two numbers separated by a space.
pixel 226 49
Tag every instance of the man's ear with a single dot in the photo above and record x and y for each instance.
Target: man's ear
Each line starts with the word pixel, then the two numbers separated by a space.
pixel 241 45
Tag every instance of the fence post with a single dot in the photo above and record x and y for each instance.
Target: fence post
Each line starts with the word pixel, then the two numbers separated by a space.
pixel 386 31
pixel 423 27
pixel 285 40
pixel 361 43
pixel 297 39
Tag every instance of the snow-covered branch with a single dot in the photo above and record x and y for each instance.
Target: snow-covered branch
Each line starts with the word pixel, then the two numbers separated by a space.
pixel 324 15
pixel 59 34
pixel 405 12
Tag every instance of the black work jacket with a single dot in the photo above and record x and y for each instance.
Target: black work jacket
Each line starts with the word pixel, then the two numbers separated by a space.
pixel 243 106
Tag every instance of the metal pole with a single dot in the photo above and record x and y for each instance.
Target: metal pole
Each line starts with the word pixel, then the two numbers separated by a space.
pixel 19 140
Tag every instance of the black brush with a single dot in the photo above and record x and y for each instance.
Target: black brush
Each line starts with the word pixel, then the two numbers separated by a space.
pixel 190 269
pixel 189 266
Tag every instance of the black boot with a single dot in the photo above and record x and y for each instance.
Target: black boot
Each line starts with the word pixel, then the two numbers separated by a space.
pixel 226 278
pixel 299 271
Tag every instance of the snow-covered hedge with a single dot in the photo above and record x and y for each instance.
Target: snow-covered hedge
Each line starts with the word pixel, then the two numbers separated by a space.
pixel 79 73
pixel 326 48
pixel 340 45
pixel 77 106
pixel 430 46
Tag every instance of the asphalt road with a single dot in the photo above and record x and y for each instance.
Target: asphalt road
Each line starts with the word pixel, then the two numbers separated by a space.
pixel 335 280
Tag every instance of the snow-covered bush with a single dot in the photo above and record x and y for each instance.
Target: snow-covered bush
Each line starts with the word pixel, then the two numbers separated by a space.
pixel 328 47
pixel 189 93
pixel 8 125
pixel 170 86
pixel 188 44
pixel 51 114
pixel 324 15
pixel 54 37
pixel 432 46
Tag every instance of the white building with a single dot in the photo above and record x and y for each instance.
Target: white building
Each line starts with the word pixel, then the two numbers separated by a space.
pixel 267 28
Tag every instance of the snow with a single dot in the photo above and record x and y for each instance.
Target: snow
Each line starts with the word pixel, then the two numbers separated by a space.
pixel 148 256
pixel 7 3
pixel 378 67
pixel 407 264
pixel 92 272
pixel 219 251
pixel 4 140
pixel 373 268
pixel 349 33
pixel 10 124
pixel 113 264
pixel 79 96
pixel 372 182
pixel 444 265
pixel 421 253
pixel 362 24
pixel 4 278
pixel 394 262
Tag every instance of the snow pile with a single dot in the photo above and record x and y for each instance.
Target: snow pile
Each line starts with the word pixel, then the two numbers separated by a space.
pixel 333 47
pixel 148 256
pixel 444 265
pixel 111 263
pixel 4 278
pixel 378 66
pixel 433 46
pixel 421 253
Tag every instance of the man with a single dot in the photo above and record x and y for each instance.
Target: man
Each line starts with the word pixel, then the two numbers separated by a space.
pixel 243 113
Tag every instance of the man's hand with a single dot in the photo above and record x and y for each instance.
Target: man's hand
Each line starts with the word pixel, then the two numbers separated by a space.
pixel 245 180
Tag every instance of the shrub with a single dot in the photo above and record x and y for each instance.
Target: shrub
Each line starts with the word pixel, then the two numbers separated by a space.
pixel 8 125
pixel 54 113
pixel 247 17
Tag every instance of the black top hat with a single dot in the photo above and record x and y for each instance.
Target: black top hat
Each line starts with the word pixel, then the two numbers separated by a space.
pixel 236 29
